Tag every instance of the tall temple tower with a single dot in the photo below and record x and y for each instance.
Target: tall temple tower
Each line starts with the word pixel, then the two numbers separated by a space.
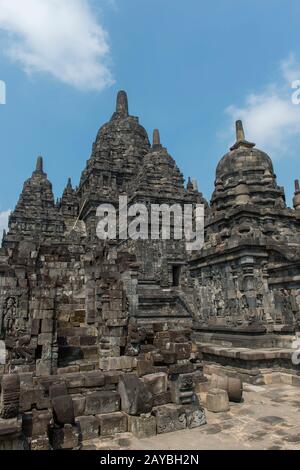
pixel 54 263
pixel 247 274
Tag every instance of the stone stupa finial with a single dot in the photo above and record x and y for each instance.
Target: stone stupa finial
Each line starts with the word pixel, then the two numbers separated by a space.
pixel 240 137
pixel 240 134
pixel 297 186
pixel 39 165
pixel 190 186
pixel 69 184
pixel 156 139
pixel 122 104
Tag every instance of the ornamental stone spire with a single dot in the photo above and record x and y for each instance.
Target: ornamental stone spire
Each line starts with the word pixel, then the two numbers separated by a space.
pixel 122 104
pixel 240 134
pixel 240 137
pixel 156 140
pixel 69 184
pixel 39 165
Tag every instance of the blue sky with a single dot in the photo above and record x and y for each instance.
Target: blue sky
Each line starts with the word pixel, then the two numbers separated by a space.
pixel 190 68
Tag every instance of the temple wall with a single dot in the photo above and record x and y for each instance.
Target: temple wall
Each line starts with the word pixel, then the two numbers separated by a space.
pixel 239 293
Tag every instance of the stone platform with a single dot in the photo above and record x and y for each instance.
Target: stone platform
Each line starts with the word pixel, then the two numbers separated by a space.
pixel 251 365
pixel 267 419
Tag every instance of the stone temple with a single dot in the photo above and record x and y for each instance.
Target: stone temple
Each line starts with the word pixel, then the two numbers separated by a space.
pixel 103 337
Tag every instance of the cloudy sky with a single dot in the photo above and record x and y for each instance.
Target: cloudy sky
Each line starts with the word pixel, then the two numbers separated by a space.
pixel 190 68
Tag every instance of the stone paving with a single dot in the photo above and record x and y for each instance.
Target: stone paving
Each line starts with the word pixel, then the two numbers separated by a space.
pixel 269 418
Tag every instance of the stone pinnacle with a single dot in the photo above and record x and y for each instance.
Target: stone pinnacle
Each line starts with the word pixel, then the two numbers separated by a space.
pixel 240 134
pixel 240 137
pixel 190 186
pixel 122 104
pixel 156 138
pixel 39 165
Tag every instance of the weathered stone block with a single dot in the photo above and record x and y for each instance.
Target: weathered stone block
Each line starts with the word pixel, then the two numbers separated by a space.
pixel 135 396
pixel 118 363
pixel 102 402
pixel 232 385
pixel 182 389
pixel 36 423
pixel 68 370
pixel 89 352
pixel 87 367
pixel 74 381
pixel 88 340
pixel 10 396
pixel 66 438
pixel 112 377
pixel 94 379
pixel 10 427
pixel 195 416
pixel 144 367
pixel 35 327
pixel 78 316
pixel 217 400
pixel 43 368
pixel 88 427
pixel 162 398
pixel 27 399
pixel 63 409
pixel 47 326
pixel 44 338
pixel 168 357
pixel 182 350
pixel 78 404
pixel 26 379
pixel 156 383
pixel 112 423
pixel 170 418
pixel 142 426
pixel 178 368
pixel 157 358
pixel 58 390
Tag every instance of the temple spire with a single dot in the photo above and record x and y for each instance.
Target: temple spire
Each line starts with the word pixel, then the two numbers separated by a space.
pixel 297 186
pixel 240 137
pixel 240 134
pixel 69 184
pixel 156 139
pixel 122 104
pixel 190 186
pixel 39 165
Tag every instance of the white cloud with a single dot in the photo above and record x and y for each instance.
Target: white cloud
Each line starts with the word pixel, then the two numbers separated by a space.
pixel 3 221
pixel 270 117
pixel 60 37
